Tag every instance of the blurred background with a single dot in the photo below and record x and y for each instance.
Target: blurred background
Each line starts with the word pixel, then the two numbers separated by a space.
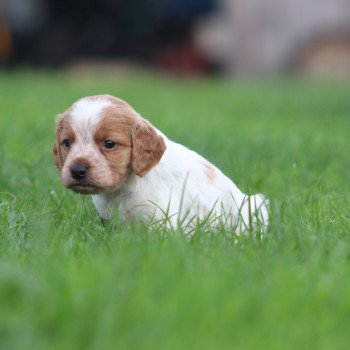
pixel 180 37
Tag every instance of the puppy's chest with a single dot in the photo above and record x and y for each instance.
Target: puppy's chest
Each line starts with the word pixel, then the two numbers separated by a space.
pixel 132 205
pixel 128 205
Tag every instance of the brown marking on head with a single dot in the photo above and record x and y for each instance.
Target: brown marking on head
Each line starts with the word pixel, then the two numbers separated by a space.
pixel 210 172
pixel 116 125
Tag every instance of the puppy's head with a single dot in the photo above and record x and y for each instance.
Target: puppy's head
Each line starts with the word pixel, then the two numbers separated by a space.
pixel 100 140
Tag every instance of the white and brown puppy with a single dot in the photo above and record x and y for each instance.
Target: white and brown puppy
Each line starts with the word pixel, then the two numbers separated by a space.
pixel 105 148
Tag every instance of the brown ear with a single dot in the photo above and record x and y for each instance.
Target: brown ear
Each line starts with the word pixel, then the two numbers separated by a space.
pixel 56 153
pixel 148 148
pixel 56 156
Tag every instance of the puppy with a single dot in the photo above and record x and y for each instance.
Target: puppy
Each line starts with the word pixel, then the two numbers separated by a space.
pixel 105 148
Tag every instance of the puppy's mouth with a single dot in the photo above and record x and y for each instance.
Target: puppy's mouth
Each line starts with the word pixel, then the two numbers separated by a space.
pixel 85 188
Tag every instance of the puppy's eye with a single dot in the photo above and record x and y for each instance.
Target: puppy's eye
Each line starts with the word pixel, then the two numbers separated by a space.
pixel 67 143
pixel 109 144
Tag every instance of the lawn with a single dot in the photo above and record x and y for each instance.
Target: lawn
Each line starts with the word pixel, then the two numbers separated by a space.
pixel 69 281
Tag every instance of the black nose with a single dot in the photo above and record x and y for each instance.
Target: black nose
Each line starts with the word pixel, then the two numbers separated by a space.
pixel 78 171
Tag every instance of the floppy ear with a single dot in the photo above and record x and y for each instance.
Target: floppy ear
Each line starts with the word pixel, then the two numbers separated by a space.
pixel 55 156
pixel 56 152
pixel 147 148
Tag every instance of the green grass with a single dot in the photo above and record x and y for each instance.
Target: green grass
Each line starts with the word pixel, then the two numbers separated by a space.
pixel 69 281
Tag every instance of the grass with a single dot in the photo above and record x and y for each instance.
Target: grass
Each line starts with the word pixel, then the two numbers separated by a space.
pixel 68 281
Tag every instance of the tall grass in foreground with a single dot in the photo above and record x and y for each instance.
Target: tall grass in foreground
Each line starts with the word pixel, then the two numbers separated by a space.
pixel 67 280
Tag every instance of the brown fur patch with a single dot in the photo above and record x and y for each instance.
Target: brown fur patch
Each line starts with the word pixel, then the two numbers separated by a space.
pixel 116 125
pixel 210 172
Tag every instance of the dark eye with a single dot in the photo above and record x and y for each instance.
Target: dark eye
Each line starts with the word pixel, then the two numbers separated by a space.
pixel 67 143
pixel 109 144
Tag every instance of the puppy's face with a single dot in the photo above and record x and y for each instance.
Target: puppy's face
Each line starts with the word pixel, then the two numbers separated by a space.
pixel 100 140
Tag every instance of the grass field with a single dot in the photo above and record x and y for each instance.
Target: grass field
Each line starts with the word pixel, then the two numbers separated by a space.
pixel 67 281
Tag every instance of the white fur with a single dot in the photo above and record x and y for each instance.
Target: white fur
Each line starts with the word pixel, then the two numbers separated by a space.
pixel 85 115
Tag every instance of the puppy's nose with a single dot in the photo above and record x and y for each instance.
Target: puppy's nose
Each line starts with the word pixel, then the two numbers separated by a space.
pixel 78 171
